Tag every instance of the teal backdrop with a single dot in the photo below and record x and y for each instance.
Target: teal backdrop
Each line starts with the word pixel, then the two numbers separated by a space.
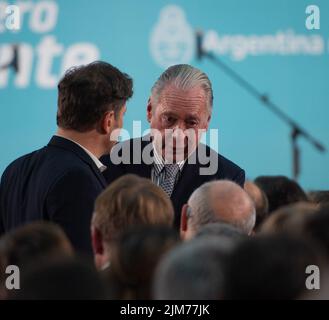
pixel 266 41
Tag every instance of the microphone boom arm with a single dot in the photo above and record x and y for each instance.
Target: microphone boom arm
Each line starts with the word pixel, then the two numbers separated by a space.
pixel 296 129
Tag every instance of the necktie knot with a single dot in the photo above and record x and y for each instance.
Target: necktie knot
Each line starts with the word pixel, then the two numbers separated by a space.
pixel 168 184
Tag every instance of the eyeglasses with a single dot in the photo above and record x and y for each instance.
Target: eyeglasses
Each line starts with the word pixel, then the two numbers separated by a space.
pixel 188 211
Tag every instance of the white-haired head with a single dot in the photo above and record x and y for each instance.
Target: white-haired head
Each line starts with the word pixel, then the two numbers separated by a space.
pixel 185 77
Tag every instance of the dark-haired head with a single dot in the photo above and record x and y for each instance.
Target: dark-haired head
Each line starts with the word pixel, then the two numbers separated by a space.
pixel 87 92
pixel 280 191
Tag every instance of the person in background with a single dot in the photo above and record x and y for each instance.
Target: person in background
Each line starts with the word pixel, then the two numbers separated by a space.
pixel 194 270
pixel 135 258
pixel 129 201
pixel 2 278
pixel 289 219
pixel 222 231
pixel 320 197
pixel 37 240
pixel 271 268
pixel 218 201
pixel 260 199
pixel 63 279
pixel 280 191
pixel 316 227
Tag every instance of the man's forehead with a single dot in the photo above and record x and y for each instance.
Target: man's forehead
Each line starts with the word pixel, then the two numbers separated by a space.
pixel 174 100
pixel 172 95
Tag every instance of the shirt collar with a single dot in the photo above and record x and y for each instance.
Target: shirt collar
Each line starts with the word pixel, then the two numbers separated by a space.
pixel 97 162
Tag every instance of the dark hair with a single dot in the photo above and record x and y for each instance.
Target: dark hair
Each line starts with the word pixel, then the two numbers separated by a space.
pixel 65 279
pixel 25 245
pixel 271 267
pixel 193 270
pixel 320 197
pixel 288 219
pixel 134 259
pixel 86 92
pixel 280 191
pixel 317 227
pixel 261 202
pixel 2 275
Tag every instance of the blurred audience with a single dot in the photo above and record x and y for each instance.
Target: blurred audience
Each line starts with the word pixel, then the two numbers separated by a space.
pixel 289 219
pixel 64 279
pixel 260 200
pixel 2 277
pixel 138 254
pixel 194 270
pixel 38 240
pixel 29 245
pixel 272 267
pixel 280 191
pixel 218 201
pixel 319 197
pixel 128 201
pixel 317 227
pixel 134 259
pixel 219 229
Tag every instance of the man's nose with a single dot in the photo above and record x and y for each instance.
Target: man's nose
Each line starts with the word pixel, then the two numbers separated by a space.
pixel 179 137
pixel 178 132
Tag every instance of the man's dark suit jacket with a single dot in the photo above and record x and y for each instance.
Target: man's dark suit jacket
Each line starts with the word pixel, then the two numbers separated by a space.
pixel 190 178
pixel 59 183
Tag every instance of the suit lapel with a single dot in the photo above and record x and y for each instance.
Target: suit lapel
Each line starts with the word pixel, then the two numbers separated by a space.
pixel 186 183
pixel 145 168
pixel 190 178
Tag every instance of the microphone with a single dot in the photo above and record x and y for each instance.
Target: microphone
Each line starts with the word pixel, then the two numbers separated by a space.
pixel 199 50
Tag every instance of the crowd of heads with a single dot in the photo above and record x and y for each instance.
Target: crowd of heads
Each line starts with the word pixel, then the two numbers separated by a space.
pixel 220 252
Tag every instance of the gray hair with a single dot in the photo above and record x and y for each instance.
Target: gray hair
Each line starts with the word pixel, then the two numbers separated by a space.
pixel 182 273
pixel 183 76
pixel 201 207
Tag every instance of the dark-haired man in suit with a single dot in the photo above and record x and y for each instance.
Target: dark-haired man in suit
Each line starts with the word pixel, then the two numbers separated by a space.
pixel 61 181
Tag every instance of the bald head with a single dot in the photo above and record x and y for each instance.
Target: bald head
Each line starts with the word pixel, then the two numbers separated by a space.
pixel 220 201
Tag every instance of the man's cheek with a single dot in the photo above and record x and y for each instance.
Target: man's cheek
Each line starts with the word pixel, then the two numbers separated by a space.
pixel 155 123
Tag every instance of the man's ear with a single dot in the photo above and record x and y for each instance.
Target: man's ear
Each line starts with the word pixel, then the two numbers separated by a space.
pixel 183 221
pixel 208 121
pixel 149 110
pixel 107 122
pixel 97 241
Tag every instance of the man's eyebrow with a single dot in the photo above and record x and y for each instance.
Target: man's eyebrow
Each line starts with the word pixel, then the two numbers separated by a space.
pixel 192 117
pixel 169 113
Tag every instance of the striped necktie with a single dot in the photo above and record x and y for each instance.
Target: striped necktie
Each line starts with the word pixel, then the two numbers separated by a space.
pixel 168 184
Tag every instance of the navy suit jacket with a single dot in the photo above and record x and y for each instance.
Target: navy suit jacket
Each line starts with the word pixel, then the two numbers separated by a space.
pixel 59 183
pixel 190 178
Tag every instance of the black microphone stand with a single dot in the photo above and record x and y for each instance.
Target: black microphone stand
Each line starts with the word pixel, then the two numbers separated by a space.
pixel 14 62
pixel 296 129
